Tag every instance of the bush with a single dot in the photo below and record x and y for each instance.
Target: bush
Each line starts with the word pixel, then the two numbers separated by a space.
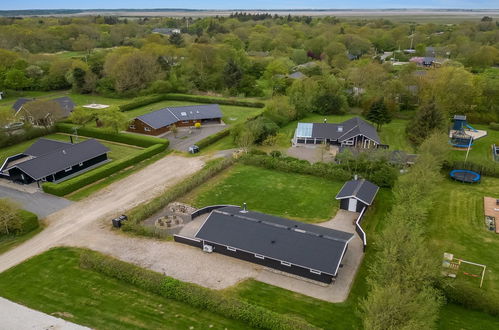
pixel 470 297
pixel 143 211
pixel 103 134
pixel 68 186
pixel 29 221
pixel 275 153
pixel 483 169
pixel 28 134
pixel 141 101
pixel 211 99
pixel 494 126
pixel 203 143
pixel 190 294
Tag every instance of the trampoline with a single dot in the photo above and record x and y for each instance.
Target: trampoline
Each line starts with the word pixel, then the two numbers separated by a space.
pixel 465 176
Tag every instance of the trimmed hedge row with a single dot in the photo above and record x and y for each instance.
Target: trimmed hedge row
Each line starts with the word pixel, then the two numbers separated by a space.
pixel 293 165
pixel 99 133
pixel 144 211
pixel 203 143
pixel 494 126
pixel 190 294
pixel 212 99
pixel 66 187
pixel 141 101
pixel 470 297
pixel 29 221
pixel 483 169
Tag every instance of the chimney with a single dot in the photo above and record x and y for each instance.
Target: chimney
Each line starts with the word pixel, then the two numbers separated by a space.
pixel 71 139
pixel 355 177
pixel 325 120
pixel 244 210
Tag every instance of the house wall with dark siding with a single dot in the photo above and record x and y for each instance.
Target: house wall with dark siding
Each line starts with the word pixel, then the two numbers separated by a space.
pixel 140 127
pixel 271 263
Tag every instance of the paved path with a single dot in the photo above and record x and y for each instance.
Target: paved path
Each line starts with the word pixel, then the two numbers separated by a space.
pixel 18 317
pixel 115 199
pixel 37 202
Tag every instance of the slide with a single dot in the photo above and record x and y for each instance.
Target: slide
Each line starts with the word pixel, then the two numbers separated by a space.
pixel 471 128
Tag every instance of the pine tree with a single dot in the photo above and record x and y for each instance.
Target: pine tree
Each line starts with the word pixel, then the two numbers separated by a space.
pixel 379 113
pixel 429 119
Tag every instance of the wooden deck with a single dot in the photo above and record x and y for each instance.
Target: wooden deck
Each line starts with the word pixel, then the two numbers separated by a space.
pixel 491 209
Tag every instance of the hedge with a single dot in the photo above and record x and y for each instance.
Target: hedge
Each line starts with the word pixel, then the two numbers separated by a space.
pixel 494 126
pixel 212 99
pixel 203 143
pixel 103 134
pixel 190 294
pixel 469 296
pixel 483 169
pixel 144 211
pixel 66 187
pixel 141 101
pixel 28 134
pixel 29 221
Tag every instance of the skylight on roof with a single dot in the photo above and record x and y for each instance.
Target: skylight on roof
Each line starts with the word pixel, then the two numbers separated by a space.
pixel 183 113
pixel 340 128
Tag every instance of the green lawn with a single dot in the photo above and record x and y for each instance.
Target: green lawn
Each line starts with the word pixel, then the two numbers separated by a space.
pixel 7 242
pixel 481 151
pixel 456 225
pixel 296 196
pixel 117 151
pixel 54 283
pixel 231 114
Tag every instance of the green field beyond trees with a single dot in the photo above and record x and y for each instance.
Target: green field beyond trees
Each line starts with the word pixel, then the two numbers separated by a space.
pixel 302 197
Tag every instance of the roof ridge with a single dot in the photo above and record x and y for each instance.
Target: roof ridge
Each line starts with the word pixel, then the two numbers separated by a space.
pixel 361 183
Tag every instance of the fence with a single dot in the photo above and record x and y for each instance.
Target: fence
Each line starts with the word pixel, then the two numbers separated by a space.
pixel 359 229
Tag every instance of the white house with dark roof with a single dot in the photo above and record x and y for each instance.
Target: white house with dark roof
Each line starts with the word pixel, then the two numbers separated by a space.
pixel 354 132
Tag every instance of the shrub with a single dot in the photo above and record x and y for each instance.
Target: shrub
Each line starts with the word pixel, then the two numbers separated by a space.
pixel 211 99
pixel 143 211
pixel 203 143
pixel 28 134
pixel 494 126
pixel 483 169
pixel 68 186
pixel 190 294
pixel 29 221
pixel 141 101
pixel 470 297
pixel 275 153
pixel 103 134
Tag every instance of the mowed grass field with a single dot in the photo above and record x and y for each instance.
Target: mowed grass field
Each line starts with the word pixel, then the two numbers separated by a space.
pixel 457 225
pixel 117 151
pixel 301 197
pixel 54 283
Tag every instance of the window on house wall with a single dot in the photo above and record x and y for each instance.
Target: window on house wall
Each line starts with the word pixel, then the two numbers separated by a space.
pixel 259 256
pixel 80 164
pixel 132 126
pixel 68 169
pixel 231 249
pixel 315 272
pixel 147 129
pixel 284 263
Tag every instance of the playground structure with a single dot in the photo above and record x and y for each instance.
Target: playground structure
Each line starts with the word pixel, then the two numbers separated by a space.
pixel 491 213
pixel 451 267
pixel 495 152
pixel 465 176
pixel 462 135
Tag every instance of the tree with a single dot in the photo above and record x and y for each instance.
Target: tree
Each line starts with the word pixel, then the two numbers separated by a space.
pixel 233 74
pixel 379 114
pixel 78 78
pixel 10 221
pixel 16 79
pixel 82 116
pixel 302 94
pixel 279 110
pixel 176 39
pixel 114 119
pixel 42 112
pixel 429 119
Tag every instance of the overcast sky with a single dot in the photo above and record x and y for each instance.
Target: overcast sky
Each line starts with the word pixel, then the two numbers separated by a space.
pixel 253 4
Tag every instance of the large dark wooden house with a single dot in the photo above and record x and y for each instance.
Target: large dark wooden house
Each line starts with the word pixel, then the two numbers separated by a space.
pixel 161 121
pixel 354 132
pixel 53 161
pixel 302 249
pixel 356 195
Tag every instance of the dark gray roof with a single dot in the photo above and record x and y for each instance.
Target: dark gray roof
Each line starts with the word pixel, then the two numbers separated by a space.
pixel 65 102
pixel 167 31
pixel 44 146
pixel 297 75
pixel 61 158
pixel 170 115
pixel 298 243
pixel 362 190
pixel 459 117
pixel 345 130
pixel 20 102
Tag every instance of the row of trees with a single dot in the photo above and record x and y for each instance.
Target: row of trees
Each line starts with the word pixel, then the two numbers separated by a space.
pixel 402 293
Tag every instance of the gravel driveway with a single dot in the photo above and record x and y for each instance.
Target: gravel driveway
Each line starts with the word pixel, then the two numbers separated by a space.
pixel 185 139
pixel 40 203
pixel 115 199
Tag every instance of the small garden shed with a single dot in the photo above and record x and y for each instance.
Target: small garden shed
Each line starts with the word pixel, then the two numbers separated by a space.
pixel 356 195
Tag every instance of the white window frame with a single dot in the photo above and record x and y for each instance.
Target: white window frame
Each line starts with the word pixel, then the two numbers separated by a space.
pixel 231 249
pixel 80 164
pixel 131 126
pixel 284 263
pixel 259 256
pixel 147 129
pixel 185 122
pixel 315 272
pixel 68 169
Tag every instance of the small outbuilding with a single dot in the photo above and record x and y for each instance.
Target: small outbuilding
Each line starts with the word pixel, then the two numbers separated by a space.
pixel 356 195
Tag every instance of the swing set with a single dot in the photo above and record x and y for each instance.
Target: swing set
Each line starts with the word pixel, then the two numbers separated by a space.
pixel 452 267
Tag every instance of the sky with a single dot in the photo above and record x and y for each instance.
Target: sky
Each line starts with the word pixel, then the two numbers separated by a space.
pixel 253 4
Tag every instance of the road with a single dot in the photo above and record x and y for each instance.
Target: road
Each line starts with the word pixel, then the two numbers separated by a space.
pixel 37 202
pixel 115 199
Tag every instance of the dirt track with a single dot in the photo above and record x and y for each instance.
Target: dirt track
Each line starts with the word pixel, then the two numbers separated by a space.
pixel 109 202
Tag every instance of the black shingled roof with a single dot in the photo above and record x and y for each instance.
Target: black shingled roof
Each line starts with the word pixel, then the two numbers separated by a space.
pixel 61 158
pixel 362 190
pixel 170 115
pixel 65 102
pixel 345 130
pixel 310 246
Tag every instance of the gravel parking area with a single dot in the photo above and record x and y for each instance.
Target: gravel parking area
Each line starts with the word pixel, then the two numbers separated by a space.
pixel 312 153
pixel 186 137
pixel 18 317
